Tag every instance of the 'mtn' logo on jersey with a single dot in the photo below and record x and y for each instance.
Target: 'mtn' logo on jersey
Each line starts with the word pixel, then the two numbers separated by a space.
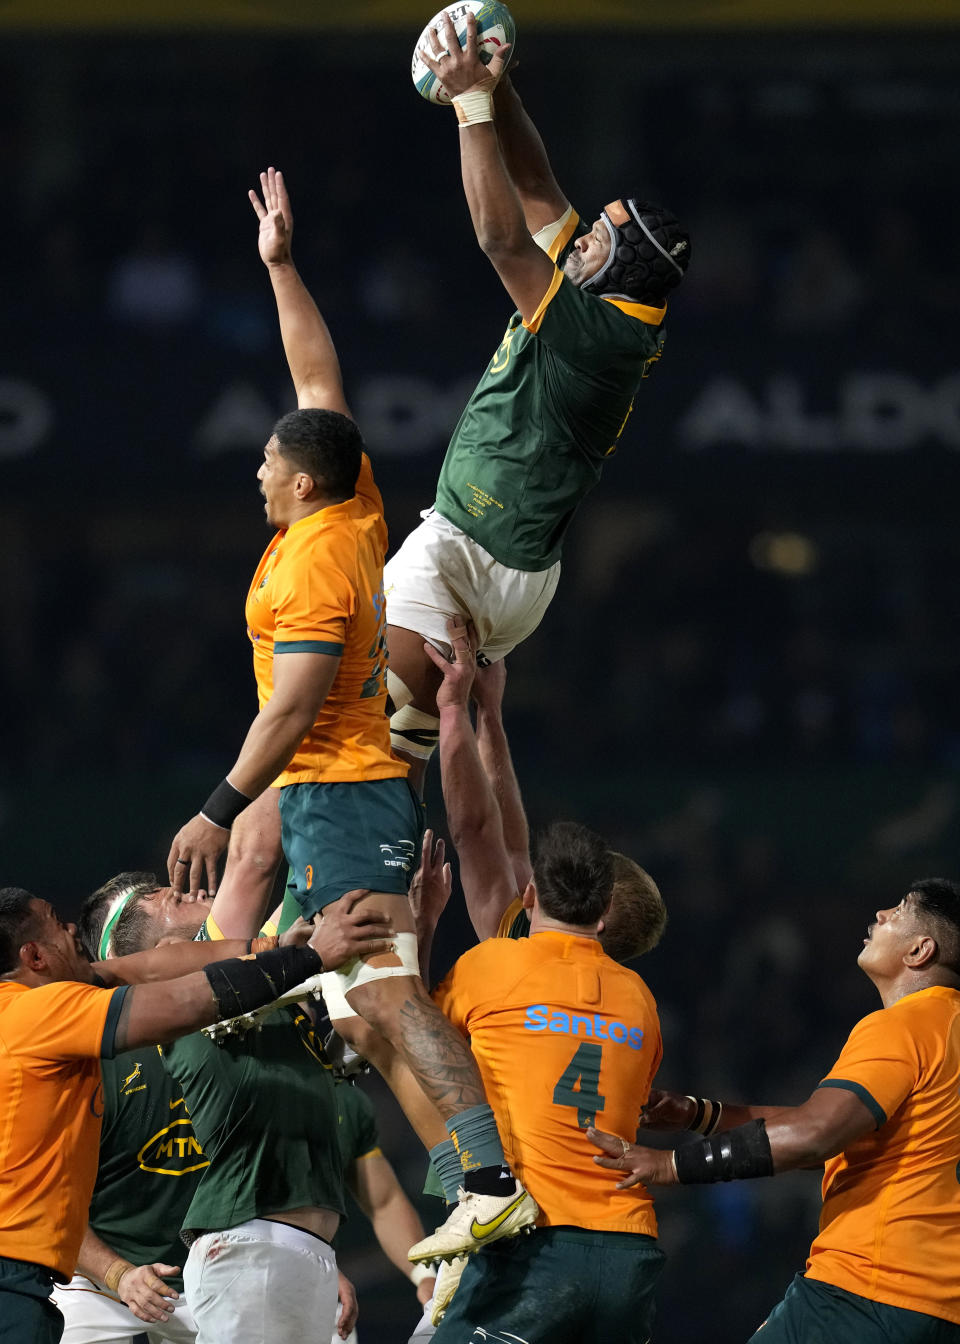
pixel 172 1151
pixel 595 1028
pixel 399 855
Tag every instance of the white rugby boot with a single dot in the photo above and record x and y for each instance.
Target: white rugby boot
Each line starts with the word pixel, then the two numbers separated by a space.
pixel 476 1221
pixel 448 1281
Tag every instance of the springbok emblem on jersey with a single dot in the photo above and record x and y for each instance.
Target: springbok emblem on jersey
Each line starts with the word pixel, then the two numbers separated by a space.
pixel 130 1078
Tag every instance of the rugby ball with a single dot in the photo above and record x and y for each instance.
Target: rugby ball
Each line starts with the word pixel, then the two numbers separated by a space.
pixel 495 30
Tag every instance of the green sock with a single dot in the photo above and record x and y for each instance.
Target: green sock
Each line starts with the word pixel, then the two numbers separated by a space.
pixel 474 1133
pixel 445 1164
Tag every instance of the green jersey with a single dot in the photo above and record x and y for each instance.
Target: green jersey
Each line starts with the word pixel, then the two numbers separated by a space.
pixel 263 1106
pixel 264 1109
pixel 547 412
pixel 150 1162
pixel 357 1132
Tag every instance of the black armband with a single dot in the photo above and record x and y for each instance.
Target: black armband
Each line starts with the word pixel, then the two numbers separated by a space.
pixel 242 984
pixel 224 805
pixel 737 1155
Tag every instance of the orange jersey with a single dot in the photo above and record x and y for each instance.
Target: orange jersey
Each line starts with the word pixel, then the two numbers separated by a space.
pixel 51 1104
pixel 319 589
pixel 564 1037
pixel 890 1226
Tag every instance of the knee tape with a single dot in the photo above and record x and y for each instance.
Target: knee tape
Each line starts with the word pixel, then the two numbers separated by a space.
pixel 398 692
pixel 414 732
pixel 358 972
pixel 331 987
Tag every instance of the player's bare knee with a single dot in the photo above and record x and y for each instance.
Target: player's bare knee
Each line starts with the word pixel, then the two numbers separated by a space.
pixel 360 1035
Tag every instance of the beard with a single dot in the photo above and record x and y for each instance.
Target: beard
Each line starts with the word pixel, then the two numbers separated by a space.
pixel 573 267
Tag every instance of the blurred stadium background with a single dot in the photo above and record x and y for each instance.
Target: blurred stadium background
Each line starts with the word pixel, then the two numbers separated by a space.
pixel 748 678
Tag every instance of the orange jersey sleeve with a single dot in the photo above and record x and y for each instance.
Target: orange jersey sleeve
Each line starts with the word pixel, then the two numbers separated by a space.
pixel 892 1192
pixel 51 1104
pixel 563 1037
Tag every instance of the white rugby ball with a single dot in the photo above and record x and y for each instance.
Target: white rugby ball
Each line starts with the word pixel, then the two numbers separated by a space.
pixel 495 30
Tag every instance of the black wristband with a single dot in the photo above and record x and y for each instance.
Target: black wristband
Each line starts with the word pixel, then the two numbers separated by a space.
pixel 242 984
pixel 224 805
pixel 737 1155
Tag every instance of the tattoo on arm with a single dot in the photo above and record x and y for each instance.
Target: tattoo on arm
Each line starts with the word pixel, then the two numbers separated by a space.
pixel 439 1057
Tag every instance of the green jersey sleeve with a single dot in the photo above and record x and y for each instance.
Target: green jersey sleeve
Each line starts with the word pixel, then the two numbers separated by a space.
pixel 357 1131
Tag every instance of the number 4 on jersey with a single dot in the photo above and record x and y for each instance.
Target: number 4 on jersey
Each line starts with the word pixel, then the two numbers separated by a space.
pixel 584 1069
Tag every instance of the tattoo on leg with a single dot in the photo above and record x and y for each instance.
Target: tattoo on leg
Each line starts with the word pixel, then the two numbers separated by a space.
pixel 438 1057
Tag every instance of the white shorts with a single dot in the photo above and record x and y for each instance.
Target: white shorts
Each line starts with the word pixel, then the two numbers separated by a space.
pixel 262 1283
pixel 93 1316
pixel 440 572
pixel 425 1329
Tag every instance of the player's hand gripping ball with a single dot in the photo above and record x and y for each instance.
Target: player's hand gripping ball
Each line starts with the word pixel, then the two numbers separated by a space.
pixel 495 30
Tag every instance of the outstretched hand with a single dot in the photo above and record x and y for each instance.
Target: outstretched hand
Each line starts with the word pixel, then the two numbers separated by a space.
pixel 460 69
pixel 432 882
pixel 276 218
pixel 646 1166
pixel 460 668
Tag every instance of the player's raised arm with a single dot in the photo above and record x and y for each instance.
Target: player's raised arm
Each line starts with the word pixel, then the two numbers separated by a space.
pixel 495 207
pixel 494 749
pixel 473 815
pixel 309 348
pixel 526 160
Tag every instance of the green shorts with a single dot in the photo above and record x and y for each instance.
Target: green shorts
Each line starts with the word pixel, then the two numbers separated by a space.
pixel 818 1313
pixel 350 837
pixel 560 1285
pixel 26 1312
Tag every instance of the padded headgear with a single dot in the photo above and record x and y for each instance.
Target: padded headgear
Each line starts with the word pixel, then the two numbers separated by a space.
pixel 649 252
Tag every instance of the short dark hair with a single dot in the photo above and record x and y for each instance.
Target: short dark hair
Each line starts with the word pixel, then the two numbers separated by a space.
pixel 93 912
pixel 18 921
pixel 637 917
pixel 135 930
pixel 573 873
pixel 326 445
pixel 938 899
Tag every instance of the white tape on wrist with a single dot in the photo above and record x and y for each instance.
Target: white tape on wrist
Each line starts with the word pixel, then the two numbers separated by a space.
pixel 420 1272
pixel 474 107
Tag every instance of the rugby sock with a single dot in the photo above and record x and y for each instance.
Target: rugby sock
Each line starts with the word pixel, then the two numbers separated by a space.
pixel 490 1181
pixel 475 1137
pixel 445 1161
